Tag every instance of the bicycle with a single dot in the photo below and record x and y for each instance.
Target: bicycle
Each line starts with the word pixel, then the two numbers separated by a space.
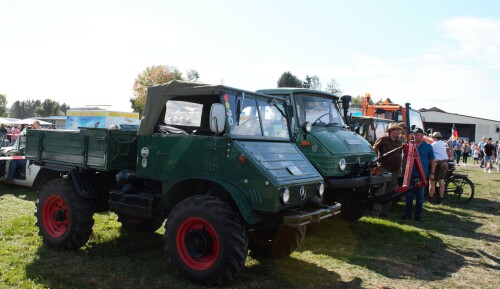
pixel 459 188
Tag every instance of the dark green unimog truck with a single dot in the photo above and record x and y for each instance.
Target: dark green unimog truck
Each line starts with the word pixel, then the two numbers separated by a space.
pixel 341 156
pixel 216 162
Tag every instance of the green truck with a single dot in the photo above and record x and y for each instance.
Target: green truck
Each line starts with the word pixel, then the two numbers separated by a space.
pixel 217 163
pixel 343 158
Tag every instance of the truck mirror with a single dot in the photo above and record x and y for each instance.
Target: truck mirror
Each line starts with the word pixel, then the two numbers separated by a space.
pixel 345 101
pixel 217 117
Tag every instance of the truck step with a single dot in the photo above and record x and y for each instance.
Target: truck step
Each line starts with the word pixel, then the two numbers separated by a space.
pixel 141 204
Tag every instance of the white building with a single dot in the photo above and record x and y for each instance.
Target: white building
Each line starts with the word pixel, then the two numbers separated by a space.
pixel 469 128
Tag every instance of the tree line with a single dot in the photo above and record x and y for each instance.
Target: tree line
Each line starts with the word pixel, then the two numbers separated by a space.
pixel 153 75
pixel 31 108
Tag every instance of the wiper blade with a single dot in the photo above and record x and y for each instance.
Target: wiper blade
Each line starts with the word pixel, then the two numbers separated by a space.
pixel 332 124
pixel 275 103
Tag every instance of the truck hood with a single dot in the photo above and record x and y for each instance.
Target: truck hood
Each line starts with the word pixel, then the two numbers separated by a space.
pixel 283 161
pixel 341 141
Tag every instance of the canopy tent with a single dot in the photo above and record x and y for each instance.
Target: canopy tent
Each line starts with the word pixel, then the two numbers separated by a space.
pixel 29 121
pixel 8 120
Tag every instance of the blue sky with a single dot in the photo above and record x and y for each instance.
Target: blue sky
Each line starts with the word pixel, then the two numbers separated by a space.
pixel 429 53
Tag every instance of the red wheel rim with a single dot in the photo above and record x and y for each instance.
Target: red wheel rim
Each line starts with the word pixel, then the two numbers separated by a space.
pixel 197 243
pixel 55 216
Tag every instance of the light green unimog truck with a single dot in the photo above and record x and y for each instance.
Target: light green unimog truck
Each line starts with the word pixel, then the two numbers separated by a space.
pixel 216 162
pixel 342 157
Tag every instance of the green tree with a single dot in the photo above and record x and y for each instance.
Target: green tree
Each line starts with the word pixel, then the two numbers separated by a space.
pixel 16 110
pixel 357 101
pixel 312 82
pixel 48 107
pixel 154 75
pixel 333 87
pixel 193 75
pixel 3 105
pixel 64 108
pixel 287 79
pixel 24 109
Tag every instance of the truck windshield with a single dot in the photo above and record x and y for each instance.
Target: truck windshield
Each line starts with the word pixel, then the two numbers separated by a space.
pixel 256 118
pixel 318 111
pixel 416 119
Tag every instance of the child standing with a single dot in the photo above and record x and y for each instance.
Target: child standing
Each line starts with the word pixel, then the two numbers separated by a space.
pixel 475 154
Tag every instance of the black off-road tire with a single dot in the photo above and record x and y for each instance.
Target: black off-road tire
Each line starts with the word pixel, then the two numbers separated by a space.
pixel 137 224
pixel 206 240
pixel 64 218
pixel 276 242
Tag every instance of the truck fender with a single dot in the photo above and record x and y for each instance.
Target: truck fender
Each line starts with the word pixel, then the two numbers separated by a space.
pixel 44 176
pixel 243 205
pixel 175 193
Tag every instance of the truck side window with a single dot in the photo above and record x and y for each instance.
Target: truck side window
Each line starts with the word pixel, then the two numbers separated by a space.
pixel 273 122
pixel 249 122
pixel 183 113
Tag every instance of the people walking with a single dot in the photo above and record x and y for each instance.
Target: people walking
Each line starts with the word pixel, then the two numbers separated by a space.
pixel 457 147
pixel 475 154
pixel 465 152
pixel 481 151
pixel 488 149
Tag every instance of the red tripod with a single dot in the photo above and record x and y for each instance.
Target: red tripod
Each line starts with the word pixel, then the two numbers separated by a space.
pixel 412 157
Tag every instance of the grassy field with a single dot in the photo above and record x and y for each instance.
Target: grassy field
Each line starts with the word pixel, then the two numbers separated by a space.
pixel 456 247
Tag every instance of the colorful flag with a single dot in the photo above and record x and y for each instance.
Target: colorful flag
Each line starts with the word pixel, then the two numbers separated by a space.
pixel 454 132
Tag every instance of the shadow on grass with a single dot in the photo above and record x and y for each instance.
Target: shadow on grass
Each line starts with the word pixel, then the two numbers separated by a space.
pixel 453 225
pixel 479 205
pixel 392 250
pixel 20 192
pixel 138 261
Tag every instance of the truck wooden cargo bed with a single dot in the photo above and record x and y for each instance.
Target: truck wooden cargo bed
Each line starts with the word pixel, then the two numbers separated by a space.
pixel 95 148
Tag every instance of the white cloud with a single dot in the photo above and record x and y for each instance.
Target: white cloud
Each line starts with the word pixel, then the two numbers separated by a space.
pixel 477 38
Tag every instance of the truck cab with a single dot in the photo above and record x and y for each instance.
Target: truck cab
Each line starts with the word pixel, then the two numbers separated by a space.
pixel 391 111
pixel 217 163
pixel 370 128
pixel 341 156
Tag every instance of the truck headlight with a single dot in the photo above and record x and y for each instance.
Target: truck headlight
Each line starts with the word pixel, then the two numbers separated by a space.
pixel 306 127
pixel 284 196
pixel 342 164
pixel 321 189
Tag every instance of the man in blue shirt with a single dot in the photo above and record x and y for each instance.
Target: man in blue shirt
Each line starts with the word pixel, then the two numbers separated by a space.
pixel 426 155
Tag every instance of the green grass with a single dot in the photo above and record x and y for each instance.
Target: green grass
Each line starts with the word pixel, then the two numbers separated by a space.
pixel 456 247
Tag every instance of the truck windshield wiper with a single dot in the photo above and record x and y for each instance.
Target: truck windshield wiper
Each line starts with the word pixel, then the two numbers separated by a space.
pixel 333 124
pixel 275 103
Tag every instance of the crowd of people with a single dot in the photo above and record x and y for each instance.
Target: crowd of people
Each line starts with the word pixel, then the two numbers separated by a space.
pixel 485 153
pixel 434 157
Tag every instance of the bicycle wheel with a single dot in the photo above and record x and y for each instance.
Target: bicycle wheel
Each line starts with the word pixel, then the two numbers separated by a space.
pixel 459 190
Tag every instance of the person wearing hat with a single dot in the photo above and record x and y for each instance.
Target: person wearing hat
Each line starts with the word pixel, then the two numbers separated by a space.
pixel 388 164
pixel 426 155
pixel 441 157
pixel 403 127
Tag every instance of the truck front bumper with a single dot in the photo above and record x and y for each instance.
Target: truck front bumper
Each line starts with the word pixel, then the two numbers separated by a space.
pixel 301 217
pixel 359 182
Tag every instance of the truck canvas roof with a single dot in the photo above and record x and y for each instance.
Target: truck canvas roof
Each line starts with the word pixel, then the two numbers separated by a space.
pixel 158 96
